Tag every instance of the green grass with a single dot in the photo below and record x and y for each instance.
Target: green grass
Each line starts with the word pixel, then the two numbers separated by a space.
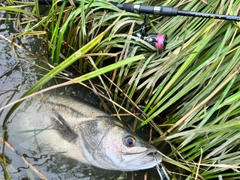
pixel 190 92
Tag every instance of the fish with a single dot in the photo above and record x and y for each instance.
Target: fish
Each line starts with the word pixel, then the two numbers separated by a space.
pixel 80 131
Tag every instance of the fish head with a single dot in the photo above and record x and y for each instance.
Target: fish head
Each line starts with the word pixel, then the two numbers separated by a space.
pixel 128 152
pixel 110 145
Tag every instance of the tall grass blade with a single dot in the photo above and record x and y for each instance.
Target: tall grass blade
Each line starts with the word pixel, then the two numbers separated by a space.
pixel 59 68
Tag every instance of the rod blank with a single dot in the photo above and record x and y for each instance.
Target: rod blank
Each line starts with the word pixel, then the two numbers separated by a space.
pixel 208 15
pixel 170 11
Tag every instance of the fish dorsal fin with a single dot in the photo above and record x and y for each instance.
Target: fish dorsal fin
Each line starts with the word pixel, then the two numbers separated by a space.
pixel 62 127
pixel 93 131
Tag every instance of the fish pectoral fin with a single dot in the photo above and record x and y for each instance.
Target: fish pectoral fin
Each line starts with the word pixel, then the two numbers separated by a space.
pixel 62 127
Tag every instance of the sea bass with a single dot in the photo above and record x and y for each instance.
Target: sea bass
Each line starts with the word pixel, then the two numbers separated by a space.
pixel 81 132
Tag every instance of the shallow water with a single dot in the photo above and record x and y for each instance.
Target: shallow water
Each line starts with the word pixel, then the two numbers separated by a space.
pixel 17 74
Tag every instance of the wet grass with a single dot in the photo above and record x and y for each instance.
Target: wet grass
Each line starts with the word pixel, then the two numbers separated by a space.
pixel 189 93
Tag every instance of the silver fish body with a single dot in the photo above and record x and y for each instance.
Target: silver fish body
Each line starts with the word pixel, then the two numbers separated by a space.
pixel 79 131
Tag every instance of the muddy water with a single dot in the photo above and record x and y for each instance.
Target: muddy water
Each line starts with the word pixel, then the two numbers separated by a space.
pixel 17 73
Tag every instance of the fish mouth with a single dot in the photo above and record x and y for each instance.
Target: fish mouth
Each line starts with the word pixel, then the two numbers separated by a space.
pixel 142 160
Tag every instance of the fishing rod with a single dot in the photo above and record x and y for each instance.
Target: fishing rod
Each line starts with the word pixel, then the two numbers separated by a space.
pixel 159 41
pixel 170 11
pixel 155 10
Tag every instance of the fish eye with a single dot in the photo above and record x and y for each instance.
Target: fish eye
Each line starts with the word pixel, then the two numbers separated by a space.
pixel 130 140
